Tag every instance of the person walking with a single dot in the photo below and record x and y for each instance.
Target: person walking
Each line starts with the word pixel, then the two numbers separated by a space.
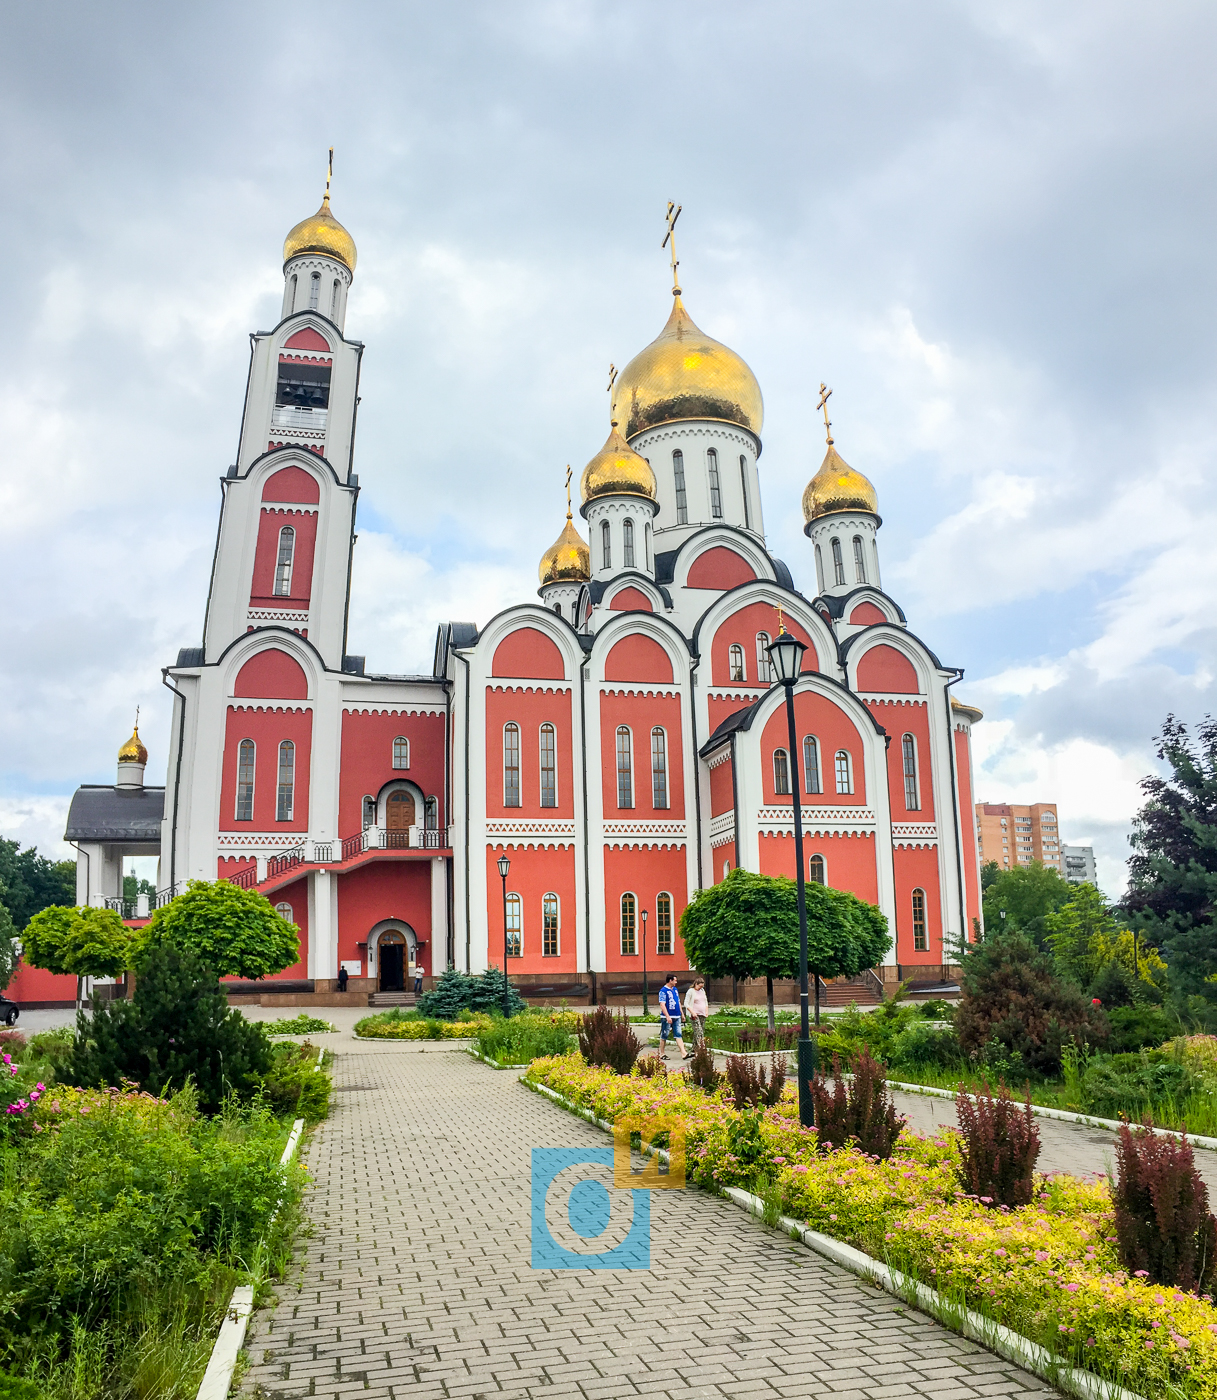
pixel 669 1018
pixel 697 1007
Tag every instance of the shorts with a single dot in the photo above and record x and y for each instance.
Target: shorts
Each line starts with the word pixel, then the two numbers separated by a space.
pixel 669 1030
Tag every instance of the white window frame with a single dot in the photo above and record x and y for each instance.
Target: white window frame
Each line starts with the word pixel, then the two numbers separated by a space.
pixel 813 778
pixel 659 772
pixel 516 904
pixel 633 898
pixel 924 945
pixel 284 568
pixel 251 784
pixel 838 563
pixel 553 736
pixel 545 898
pixel 606 545
pixel 735 651
pixel 849 771
pixel 784 757
pixel 627 544
pixel 290 916
pixel 511 727
pixel 285 793
pixel 314 291
pixel 682 494
pixel 859 560
pixel 715 484
pixel 398 766
pixel 811 865
pixel 764 666
pixel 629 755
pixel 670 950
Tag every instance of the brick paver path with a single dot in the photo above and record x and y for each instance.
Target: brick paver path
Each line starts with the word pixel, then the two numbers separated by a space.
pixel 416 1280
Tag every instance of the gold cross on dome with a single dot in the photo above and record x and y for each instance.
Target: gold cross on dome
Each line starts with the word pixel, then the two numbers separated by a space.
pixel 670 238
pixel 825 395
pixel 568 515
pixel 781 624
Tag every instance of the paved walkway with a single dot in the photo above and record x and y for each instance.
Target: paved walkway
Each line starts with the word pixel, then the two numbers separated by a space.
pixel 416 1280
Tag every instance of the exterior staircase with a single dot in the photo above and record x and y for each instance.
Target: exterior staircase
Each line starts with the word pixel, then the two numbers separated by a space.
pixel 865 989
pixel 392 999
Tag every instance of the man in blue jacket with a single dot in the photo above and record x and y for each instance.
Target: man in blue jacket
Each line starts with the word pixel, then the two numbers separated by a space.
pixel 669 1018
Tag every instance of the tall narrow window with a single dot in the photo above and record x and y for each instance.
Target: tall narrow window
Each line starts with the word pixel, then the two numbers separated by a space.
pixel 819 569
pixel 815 870
pixel 287 781
pixel 781 772
pixel 625 769
pixel 763 664
pixel 735 663
pixel 245 781
pixel 629 943
pixel 431 814
pixel 844 781
pixel 511 765
pixel 663 925
pixel 647 542
pixel 838 563
pixel 291 300
pixel 283 565
pixel 606 545
pixel 912 803
pixel 743 484
pixel 678 475
pixel 549 767
pixel 921 937
pixel 515 927
pixel 627 545
pixel 659 769
pixel 369 812
pixel 401 752
pixel 334 301
pixel 811 764
pixel 550 942
pixel 859 560
pixel 716 493
pixel 314 291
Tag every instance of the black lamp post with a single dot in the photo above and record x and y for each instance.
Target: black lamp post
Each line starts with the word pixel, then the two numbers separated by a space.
pixel 504 867
pixel 786 655
pixel 644 963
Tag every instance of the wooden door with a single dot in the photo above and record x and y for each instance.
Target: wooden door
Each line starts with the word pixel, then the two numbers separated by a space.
pixel 399 811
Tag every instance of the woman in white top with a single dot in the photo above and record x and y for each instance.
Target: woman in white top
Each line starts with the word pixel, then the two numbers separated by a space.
pixel 697 1007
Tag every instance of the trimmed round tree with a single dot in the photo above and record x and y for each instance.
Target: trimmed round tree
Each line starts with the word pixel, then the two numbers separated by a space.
pixel 748 926
pixel 236 932
pixel 79 942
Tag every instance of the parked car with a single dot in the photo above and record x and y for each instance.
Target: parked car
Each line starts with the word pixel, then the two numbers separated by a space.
pixel 9 1011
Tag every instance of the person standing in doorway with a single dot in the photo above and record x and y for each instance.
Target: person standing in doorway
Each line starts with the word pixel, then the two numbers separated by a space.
pixel 343 976
pixel 669 1018
pixel 697 1006
pixel 418 978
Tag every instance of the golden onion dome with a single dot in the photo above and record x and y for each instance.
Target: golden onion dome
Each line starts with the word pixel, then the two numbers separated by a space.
pixel 321 233
pixel 836 486
pixel 617 470
pixel 684 374
pixel 133 750
pixel 568 559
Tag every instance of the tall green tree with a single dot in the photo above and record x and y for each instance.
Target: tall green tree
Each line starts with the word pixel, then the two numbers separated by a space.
pixel 748 926
pixel 1086 935
pixel 1172 888
pixel 32 882
pixel 1020 900
pixel 79 942
pixel 236 932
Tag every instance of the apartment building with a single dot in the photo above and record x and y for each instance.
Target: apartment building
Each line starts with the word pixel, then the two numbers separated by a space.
pixel 1013 835
pixel 1077 865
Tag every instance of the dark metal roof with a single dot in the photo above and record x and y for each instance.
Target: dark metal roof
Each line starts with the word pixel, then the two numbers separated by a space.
pixel 190 656
pixel 738 719
pixel 100 813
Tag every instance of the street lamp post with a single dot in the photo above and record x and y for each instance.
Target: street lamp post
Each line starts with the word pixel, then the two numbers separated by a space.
pixel 644 963
pixel 504 867
pixel 786 655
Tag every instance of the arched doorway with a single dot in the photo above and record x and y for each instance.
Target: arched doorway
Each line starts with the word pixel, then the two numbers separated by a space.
pixel 391 946
pixel 399 816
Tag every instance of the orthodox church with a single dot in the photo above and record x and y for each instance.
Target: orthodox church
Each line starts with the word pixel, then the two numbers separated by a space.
pixel 618 742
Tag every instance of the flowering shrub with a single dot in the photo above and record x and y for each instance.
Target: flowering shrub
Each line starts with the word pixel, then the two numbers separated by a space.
pixel 1000 1147
pixel 1047 1269
pixel 1163 1223
pixel 605 1039
pixel 863 1114
pixel 386 1026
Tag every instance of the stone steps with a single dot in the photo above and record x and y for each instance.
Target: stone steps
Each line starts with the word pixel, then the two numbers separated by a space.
pixel 392 999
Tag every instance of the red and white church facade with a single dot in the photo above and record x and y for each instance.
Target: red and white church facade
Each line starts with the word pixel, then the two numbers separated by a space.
pixel 618 739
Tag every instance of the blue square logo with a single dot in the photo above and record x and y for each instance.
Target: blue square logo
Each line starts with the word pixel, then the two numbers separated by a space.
pixel 580 1220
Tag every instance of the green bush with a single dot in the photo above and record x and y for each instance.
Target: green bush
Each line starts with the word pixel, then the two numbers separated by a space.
pixel 458 992
pixel 524 1039
pixel 178 1029
pixel 297 1025
pixel 1140 1026
pixel 294 1086
pixel 409 1025
pixel 53 1047
pixel 920 1046
pixel 14 1388
pixel 1127 1084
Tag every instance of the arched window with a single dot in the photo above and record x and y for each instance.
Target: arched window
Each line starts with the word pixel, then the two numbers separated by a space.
pixel 401 752
pixel 369 812
pixel 663 925
pixel 431 813
pixel 819 569
pixel 735 663
pixel 743 483
pixel 606 545
pixel 764 667
pixel 811 765
pixel 647 541
pixel 921 937
pixel 334 301
pixel 781 772
pixel 283 565
pixel 682 500
pixel 314 291
pixel 659 769
pixel 549 767
pixel 629 943
pixel 287 781
pixel 838 563
pixel 511 765
pixel 912 802
pixel 550 927
pixel 245 781
pixel 844 778
pixel 625 769
pixel 627 545
pixel 285 911
pixel 726 868
pixel 815 870
pixel 716 494
pixel 558 609
pixel 291 299
pixel 515 927
pixel 859 560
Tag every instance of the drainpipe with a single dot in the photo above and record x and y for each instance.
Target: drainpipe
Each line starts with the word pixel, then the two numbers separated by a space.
pixel 701 877
pixel 587 877
pixel 468 926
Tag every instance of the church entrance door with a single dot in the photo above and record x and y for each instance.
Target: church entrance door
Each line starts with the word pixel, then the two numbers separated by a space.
pixel 399 817
pixel 391 959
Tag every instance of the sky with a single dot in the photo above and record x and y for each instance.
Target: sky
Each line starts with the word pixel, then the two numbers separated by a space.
pixel 989 227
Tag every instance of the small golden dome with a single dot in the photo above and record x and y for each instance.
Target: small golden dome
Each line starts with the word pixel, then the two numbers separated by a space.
pixel 133 750
pixel 684 374
pixel 617 470
pixel 836 486
pixel 321 233
pixel 568 559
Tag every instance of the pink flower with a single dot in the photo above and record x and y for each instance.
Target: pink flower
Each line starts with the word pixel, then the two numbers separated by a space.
pixel 1141 1273
pixel 986 1200
pixel 1040 1256
pixel 1071 1288
pixel 1155 1323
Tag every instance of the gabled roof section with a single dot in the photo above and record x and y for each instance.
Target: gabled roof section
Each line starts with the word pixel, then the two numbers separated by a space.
pixel 741 719
pixel 105 813
pixel 835 606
